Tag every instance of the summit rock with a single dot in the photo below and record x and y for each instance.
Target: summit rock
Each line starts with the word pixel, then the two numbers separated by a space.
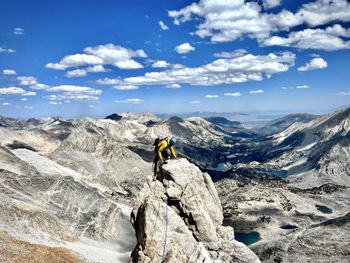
pixel 178 218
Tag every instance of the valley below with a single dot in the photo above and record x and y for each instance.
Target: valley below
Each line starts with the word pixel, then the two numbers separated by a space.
pixel 67 187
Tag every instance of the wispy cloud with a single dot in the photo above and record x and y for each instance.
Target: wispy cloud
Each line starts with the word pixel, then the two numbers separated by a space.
pixel 69 93
pixel 163 26
pixel 126 87
pixel 18 31
pixel 344 93
pixel 55 103
pixel 259 91
pixel 173 86
pixel 29 93
pixel 296 87
pixel 234 94
pixel 211 96
pixel 303 87
pixel 7 50
pixel 234 54
pixel 130 101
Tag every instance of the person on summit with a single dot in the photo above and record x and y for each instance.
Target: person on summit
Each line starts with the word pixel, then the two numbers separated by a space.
pixel 161 151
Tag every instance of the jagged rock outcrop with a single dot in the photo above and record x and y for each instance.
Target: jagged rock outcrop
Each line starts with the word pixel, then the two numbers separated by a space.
pixel 178 218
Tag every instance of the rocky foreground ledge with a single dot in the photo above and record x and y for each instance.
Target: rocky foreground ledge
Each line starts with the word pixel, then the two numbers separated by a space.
pixel 178 218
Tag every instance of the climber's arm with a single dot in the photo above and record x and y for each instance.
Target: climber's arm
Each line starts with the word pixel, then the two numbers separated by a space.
pixel 173 152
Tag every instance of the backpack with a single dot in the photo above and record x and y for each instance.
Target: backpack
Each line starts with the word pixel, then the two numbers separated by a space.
pixel 158 140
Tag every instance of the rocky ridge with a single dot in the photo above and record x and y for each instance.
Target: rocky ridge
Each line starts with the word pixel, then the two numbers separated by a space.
pixel 316 152
pixel 178 218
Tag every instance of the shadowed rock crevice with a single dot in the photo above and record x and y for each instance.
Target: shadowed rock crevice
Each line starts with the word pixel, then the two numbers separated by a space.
pixel 178 218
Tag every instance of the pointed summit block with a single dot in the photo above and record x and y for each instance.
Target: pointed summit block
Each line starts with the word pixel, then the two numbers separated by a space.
pixel 178 218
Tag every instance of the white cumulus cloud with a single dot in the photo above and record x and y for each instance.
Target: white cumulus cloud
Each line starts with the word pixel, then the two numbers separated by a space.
pixel 109 54
pixel 11 91
pixel 32 82
pixel 225 20
pixel 84 71
pixel 221 71
pixel 27 80
pixel 267 4
pixel 329 39
pixel 322 12
pixel 160 64
pixel 9 72
pixel 184 48
pixel 70 88
pixel 315 63
pixel 76 60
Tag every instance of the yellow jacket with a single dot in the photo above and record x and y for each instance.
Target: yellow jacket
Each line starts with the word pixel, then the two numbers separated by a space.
pixel 162 146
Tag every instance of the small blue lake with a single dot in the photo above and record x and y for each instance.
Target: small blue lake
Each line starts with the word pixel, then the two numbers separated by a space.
pixel 324 209
pixel 247 238
pixel 221 167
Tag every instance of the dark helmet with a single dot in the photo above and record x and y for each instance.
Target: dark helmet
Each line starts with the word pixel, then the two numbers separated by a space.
pixel 173 141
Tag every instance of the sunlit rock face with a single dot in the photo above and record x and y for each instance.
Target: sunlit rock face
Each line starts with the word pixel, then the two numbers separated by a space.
pixel 178 218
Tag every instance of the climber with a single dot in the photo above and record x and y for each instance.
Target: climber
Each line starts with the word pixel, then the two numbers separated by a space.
pixel 161 151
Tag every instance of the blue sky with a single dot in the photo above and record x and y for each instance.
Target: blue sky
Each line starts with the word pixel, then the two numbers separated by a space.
pixel 91 58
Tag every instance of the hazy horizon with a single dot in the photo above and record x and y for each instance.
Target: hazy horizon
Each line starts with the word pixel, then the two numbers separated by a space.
pixel 258 114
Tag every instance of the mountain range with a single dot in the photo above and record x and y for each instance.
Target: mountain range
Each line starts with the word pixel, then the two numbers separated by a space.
pixel 70 184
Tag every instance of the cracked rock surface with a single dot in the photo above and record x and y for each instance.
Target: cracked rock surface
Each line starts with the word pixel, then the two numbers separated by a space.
pixel 178 218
